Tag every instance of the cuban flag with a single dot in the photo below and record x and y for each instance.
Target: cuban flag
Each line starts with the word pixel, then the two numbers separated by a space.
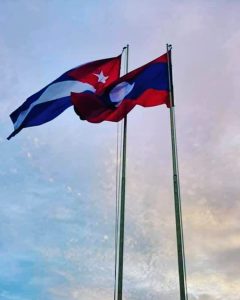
pixel 53 99
pixel 146 86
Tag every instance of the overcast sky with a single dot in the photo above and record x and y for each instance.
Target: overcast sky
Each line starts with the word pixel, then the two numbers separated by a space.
pixel 57 181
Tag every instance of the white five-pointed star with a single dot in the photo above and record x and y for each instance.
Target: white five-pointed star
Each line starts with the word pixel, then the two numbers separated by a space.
pixel 101 77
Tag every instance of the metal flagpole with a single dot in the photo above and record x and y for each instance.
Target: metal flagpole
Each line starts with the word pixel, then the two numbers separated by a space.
pixel 122 201
pixel 176 184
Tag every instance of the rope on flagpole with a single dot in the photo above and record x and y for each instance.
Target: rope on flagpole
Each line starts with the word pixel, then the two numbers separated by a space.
pixel 116 210
pixel 118 193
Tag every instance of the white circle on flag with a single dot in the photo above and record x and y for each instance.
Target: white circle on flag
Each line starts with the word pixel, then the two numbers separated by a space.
pixel 120 91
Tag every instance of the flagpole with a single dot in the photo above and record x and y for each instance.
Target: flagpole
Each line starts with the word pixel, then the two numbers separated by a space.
pixel 122 201
pixel 176 185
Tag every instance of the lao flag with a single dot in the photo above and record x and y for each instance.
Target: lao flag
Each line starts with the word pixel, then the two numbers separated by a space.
pixel 146 86
pixel 53 99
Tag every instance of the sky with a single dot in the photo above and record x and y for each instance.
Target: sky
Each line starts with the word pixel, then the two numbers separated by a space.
pixel 57 180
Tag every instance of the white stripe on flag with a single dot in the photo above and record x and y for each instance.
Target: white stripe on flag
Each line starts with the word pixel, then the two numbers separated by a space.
pixel 53 92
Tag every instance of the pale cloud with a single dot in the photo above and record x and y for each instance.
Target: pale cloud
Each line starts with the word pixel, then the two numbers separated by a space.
pixel 83 293
pixel 223 287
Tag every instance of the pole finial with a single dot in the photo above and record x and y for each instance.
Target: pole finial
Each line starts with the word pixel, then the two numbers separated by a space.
pixel 125 47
